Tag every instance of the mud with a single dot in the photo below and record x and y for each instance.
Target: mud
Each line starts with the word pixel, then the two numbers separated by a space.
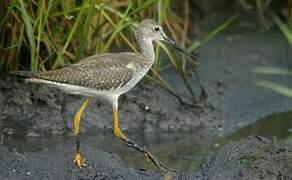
pixel 254 157
pixel 38 110
pixel 56 163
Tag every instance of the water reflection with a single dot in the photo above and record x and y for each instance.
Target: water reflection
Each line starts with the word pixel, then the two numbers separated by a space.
pixel 182 151
pixel 277 125
pixel 179 150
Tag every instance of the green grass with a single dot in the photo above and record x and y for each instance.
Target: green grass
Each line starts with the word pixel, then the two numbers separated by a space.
pixel 286 29
pixel 283 90
pixel 46 34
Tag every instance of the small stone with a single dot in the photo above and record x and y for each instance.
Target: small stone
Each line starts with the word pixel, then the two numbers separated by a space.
pixel 33 134
pixel 229 39
pixel 220 135
pixel 69 17
pixel 240 124
pixel 8 131
pixel 146 108
pixel 216 145
pixel 290 130
pixel 28 173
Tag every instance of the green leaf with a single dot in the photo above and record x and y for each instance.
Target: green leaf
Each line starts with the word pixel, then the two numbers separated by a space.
pixel 29 33
pixel 275 87
pixel 272 71
pixel 213 33
pixel 284 28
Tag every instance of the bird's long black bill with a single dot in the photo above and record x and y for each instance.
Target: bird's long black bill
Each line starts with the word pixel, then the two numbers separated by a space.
pixel 182 50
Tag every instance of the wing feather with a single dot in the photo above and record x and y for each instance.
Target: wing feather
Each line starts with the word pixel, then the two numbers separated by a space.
pixel 102 72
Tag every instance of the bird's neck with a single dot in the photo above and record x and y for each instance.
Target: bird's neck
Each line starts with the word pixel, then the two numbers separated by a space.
pixel 147 50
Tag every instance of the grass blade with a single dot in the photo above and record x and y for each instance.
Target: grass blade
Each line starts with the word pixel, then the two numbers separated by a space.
pixel 118 28
pixel 85 31
pixel 213 33
pixel 275 87
pixel 29 33
pixel 284 28
pixel 70 36
pixel 272 71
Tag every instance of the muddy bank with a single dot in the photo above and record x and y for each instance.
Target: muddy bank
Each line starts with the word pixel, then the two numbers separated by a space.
pixel 56 163
pixel 188 150
pixel 227 73
pixel 254 157
pixel 38 110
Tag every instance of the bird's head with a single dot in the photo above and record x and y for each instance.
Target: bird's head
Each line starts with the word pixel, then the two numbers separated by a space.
pixel 150 30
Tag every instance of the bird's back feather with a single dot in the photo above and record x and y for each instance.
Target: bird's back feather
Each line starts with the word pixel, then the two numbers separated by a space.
pixel 101 72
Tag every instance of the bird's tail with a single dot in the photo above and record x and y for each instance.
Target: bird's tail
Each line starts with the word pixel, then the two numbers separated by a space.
pixel 27 74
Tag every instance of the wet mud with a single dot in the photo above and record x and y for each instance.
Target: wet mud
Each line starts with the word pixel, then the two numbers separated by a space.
pixel 254 157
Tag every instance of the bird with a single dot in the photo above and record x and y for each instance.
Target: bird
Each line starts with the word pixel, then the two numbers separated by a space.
pixel 108 76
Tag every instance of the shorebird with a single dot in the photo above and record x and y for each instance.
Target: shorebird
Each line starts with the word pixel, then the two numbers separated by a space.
pixel 108 76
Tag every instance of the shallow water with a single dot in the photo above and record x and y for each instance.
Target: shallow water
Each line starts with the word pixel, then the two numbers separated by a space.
pixel 275 126
pixel 180 150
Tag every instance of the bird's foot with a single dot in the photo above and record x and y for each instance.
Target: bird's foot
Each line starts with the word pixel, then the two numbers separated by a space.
pixel 149 157
pixel 79 161
pixel 146 158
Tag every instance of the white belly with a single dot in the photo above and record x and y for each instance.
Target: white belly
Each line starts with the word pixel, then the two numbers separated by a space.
pixel 108 95
pixel 79 90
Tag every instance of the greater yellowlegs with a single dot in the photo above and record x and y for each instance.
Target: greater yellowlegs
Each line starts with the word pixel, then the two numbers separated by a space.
pixel 108 76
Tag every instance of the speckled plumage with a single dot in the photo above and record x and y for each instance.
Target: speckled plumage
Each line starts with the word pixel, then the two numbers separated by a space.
pixel 102 72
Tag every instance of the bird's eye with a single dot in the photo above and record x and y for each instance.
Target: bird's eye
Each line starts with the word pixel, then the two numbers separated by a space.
pixel 156 28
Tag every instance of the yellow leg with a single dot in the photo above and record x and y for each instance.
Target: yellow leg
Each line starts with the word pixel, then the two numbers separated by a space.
pixel 78 159
pixel 117 130
pixel 148 156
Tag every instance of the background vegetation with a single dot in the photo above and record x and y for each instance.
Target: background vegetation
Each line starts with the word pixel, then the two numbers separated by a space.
pixel 46 34
pixel 283 19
